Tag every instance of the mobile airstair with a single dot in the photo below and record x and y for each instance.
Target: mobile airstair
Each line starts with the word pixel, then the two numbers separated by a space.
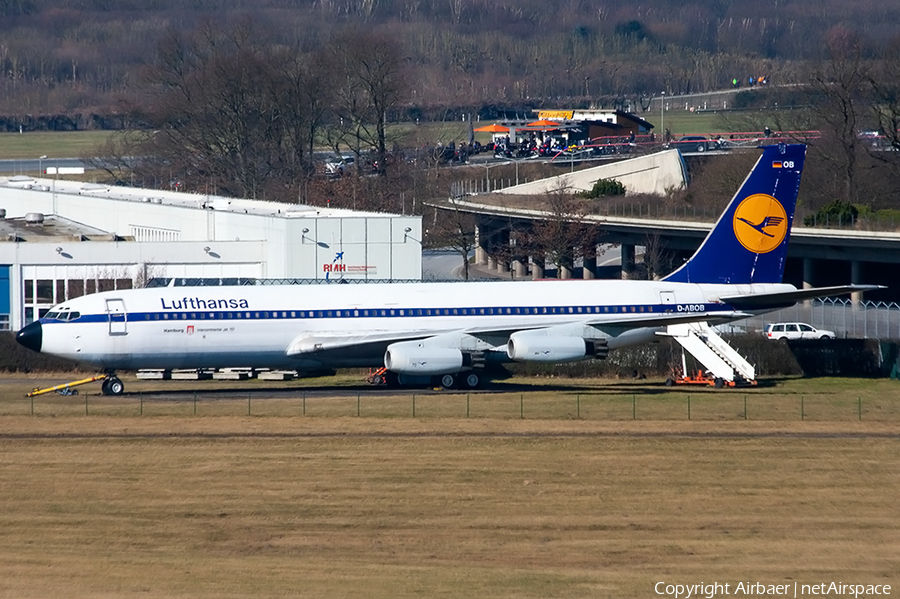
pixel 724 366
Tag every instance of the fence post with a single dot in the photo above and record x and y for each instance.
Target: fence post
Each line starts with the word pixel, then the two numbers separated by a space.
pixel 859 407
pixel 357 403
pixel 578 406
pixel 745 406
pixel 467 404
pixel 248 404
pixel 142 403
pixel 414 405
pixel 689 406
pixel 633 407
pixel 521 405
pixel 802 409
pixel 304 402
pixel 86 403
pixel 195 403
pixel 32 405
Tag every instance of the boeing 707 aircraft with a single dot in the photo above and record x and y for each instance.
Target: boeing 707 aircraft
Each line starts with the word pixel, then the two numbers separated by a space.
pixel 444 331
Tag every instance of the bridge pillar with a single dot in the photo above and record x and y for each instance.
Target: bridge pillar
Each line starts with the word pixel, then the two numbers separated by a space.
pixel 537 267
pixel 627 261
pixel 481 244
pixel 589 268
pixel 500 246
pixel 856 279
pixel 808 283
pixel 563 272
pixel 520 269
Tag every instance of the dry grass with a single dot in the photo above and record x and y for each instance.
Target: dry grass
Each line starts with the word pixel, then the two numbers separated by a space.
pixel 278 505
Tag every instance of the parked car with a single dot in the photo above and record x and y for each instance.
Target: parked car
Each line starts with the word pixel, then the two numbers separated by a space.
pixel 338 165
pixel 691 143
pixel 796 330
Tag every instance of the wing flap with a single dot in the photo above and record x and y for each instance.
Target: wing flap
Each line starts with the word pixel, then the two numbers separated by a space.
pixel 313 344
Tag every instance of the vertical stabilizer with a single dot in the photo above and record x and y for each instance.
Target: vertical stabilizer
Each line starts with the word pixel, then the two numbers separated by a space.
pixel 749 242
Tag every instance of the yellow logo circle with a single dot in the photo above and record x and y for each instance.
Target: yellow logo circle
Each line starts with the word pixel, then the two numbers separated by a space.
pixel 760 223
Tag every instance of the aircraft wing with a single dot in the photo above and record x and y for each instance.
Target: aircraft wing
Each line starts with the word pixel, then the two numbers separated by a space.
pixel 315 344
pixel 787 298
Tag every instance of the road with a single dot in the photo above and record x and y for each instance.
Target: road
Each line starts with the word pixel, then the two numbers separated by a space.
pixel 21 166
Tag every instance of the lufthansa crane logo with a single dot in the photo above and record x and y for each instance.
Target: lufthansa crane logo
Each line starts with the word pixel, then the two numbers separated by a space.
pixel 760 223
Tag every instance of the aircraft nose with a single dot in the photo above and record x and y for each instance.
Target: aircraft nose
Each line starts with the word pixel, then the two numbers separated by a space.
pixel 31 336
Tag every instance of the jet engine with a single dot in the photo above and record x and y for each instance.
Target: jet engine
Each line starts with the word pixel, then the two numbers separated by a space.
pixel 412 357
pixel 531 347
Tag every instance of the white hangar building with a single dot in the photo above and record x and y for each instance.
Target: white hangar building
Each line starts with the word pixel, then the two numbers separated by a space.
pixel 63 239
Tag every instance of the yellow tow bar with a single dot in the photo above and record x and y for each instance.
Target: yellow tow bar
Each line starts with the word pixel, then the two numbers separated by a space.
pixel 66 388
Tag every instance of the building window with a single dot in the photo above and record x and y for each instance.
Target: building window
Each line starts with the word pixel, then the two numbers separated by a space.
pixel 76 288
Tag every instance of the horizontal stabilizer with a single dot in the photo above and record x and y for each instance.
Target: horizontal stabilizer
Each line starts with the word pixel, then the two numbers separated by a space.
pixel 787 298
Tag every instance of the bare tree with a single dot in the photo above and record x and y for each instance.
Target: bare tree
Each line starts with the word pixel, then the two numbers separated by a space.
pixel 562 235
pixel 452 228
pixel 370 83
pixel 841 81
pixel 232 114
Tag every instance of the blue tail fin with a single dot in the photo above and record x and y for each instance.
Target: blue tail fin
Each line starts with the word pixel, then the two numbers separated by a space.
pixel 749 242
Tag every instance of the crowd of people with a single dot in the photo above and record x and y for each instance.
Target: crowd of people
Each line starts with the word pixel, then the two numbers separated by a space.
pixel 751 81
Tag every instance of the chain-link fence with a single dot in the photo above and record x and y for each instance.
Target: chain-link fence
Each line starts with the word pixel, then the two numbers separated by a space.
pixel 700 404
pixel 848 320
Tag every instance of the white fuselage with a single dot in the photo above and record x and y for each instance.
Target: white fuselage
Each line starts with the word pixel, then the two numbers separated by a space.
pixel 255 326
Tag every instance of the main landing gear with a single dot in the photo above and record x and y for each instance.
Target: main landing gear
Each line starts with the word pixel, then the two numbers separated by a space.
pixel 465 380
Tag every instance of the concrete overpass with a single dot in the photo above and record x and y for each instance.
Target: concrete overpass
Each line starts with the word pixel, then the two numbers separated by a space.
pixel 817 257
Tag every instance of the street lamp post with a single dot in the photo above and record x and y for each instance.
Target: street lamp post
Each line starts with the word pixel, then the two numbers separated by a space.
pixel 662 116
pixel 41 164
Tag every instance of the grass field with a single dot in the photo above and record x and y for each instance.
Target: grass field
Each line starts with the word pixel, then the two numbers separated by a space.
pixel 824 399
pixel 53 144
pixel 222 504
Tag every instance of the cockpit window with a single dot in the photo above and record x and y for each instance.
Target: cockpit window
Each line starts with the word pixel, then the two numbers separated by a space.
pixel 74 315
pixel 52 315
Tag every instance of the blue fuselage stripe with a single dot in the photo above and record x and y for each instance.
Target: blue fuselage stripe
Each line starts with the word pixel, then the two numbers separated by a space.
pixel 355 313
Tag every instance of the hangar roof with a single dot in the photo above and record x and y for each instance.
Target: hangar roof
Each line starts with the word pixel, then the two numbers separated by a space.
pixel 182 199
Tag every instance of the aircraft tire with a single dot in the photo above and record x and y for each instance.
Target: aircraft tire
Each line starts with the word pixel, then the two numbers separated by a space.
pixel 720 383
pixel 448 381
pixel 472 381
pixel 104 387
pixel 115 386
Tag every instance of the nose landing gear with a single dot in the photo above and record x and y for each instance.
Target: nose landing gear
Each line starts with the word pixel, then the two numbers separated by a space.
pixel 112 385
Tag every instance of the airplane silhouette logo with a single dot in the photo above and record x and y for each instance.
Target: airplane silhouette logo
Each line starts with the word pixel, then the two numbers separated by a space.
pixel 769 221
pixel 760 223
